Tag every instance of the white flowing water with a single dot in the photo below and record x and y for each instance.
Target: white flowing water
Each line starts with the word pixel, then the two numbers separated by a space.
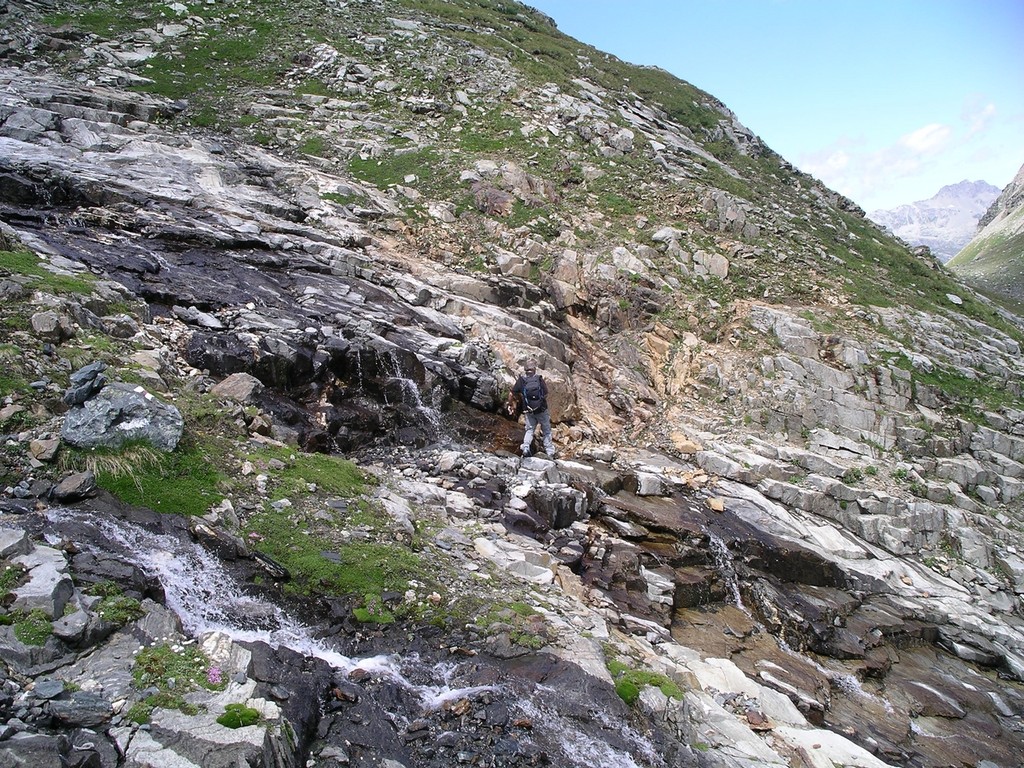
pixel 723 562
pixel 580 748
pixel 410 395
pixel 206 598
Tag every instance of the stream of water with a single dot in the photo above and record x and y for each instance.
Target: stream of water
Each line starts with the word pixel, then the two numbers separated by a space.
pixel 206 597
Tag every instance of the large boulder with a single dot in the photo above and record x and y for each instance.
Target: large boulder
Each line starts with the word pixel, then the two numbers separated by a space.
pixel 123 413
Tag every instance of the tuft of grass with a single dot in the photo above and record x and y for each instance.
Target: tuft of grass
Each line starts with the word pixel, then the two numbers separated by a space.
pixel 629 681
pixel 174 671
pixel 383 172
pixel 316 146
pixel 373 611
pixel 238 716
pixel 33 628
pixel 184 481
pixel 330 474
pixel 115 607
pixel 11 576
pixel 356 567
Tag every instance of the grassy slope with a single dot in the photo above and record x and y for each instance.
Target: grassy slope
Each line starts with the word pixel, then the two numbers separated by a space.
pixel 994 261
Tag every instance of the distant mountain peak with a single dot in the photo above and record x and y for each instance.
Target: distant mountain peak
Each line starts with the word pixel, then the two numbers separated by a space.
pixel 945 222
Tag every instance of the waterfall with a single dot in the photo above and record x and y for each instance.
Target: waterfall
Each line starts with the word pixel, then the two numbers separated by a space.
pixel 206 598
pixel 410 394
pixel 724 564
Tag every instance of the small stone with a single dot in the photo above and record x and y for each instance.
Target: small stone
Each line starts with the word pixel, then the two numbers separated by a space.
pixel 716 504
pixel 44 449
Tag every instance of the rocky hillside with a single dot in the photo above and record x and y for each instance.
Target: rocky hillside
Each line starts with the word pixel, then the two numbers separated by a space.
pixel 945 222
pixel 994 259
pixel 269 271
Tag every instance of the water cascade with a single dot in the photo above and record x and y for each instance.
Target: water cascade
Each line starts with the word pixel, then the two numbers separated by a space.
pixel 409 395
pixel 724 566
pixel 206 598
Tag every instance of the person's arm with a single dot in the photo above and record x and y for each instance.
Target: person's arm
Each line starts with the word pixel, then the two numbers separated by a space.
pixel 520 384
pixel 543 386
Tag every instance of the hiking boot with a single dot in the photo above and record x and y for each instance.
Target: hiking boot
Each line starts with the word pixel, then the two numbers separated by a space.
pixel 526 453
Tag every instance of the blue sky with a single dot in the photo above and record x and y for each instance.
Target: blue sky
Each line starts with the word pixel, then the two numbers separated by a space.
pixel 885 101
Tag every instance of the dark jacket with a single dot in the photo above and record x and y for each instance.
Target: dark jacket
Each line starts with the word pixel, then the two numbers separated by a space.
pixel 520 390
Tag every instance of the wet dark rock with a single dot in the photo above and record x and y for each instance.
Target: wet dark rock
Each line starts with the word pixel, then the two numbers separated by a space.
pixel 220 354
pixel 227 545
pixel 559 506
pixel 95 568
pixel 48 689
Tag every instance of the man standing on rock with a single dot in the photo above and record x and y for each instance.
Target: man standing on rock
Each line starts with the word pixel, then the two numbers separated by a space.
pixel 533 394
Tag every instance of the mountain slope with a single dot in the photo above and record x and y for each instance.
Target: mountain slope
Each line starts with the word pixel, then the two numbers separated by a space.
pixel 786 518
pixel 945 222
pixel 994 260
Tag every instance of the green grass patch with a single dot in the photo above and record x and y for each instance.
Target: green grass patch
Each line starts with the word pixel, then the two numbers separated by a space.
pixel 115 606
pixel 316 146
pixel 238 716
pixel 965 395
pixel 185 481
pixel 330 474
pixel 28 264
pixel 174 670
pixel 334 197
pixel 11 577
pixel 629 682
pixel 33 628
pixel 392 169
pixel 373 611
pixel 320 564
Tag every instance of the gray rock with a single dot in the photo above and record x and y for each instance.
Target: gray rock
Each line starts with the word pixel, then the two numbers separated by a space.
pixel 71 629
pixel 44 449
pixel 122 413
pixel 86 382
pixel 120 326
pixel 81 710
pixel 35 751
pixel 240 387
pixel 52 326
pixel 14 541
pixel 195 316
pixel 48 689
pixel 48 587
pixel 80 485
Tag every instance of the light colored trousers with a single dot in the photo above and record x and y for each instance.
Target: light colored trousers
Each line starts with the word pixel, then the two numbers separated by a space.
pixel 532 420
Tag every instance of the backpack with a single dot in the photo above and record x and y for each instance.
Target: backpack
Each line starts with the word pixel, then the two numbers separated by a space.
pixel 533 394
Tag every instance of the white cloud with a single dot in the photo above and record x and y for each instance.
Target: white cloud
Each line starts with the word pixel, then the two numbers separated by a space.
pixel 860 173
pixel 930 138
pixel 978 121
pixel 982 144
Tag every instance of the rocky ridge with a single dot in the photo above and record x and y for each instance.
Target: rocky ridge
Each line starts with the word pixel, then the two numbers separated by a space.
pixel 806 490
